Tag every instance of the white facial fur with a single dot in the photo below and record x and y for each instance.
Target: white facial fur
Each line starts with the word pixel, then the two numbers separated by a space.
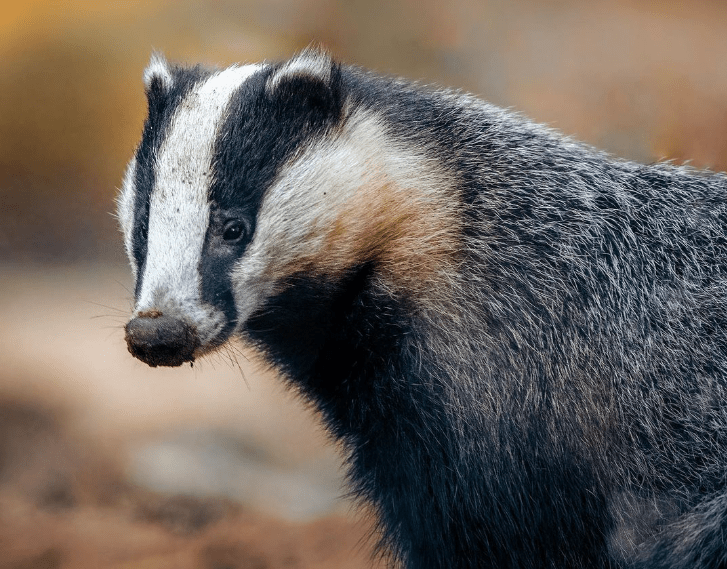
pixel 303 65
pixel 125 212
pixel 179 208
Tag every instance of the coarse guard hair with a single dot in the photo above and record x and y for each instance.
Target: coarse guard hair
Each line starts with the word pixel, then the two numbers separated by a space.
pixel 519 341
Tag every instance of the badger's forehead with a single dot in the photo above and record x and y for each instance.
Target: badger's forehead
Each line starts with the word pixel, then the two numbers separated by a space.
pixel 220 136
pixel 187 154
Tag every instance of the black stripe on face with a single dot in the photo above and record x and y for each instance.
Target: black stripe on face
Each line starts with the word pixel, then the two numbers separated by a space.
pixel 261 131
pixel 162 106
pixel 218 256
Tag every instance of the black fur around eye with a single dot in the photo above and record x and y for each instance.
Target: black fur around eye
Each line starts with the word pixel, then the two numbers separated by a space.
pixel 234 230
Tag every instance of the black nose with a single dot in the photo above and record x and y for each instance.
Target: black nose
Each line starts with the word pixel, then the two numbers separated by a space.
pixel 160 340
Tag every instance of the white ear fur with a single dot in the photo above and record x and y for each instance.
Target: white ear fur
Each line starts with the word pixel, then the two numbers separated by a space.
pixel 311 63
pixel 158 69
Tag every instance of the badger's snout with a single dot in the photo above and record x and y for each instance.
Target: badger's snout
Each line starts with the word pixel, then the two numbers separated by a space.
pixel 160 340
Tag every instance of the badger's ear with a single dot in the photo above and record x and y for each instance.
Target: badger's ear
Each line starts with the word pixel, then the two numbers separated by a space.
pixel 158 79
pixel 310 81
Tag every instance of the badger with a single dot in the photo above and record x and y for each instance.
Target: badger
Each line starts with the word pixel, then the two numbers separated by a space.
pixel 518 340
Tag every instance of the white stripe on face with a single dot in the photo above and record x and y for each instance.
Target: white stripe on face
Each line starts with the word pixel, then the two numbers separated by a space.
pixel 179 208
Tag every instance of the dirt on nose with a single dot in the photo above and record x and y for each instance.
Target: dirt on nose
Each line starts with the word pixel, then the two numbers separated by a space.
pixel 160 340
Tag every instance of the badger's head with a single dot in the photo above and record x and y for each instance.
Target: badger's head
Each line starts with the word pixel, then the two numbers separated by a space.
pixel 245 179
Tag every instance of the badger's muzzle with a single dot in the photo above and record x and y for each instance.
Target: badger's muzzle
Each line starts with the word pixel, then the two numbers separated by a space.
pixel 160 340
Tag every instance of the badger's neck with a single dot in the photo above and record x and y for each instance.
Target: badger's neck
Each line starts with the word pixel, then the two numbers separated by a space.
pixel 379 323
pixel 355 352
pixel 425 448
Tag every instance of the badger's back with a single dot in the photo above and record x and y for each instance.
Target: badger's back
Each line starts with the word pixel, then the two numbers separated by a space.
pixel 519 340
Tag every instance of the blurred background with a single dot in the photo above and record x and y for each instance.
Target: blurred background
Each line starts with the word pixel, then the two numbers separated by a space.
pixel 105 462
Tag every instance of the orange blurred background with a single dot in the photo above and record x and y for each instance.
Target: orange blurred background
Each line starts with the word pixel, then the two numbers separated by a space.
pixel 643 79
pixel 107 463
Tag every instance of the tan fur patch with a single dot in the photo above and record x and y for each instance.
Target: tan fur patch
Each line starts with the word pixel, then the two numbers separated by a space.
pixel 358 196
pixel 411 235
pixel 410 240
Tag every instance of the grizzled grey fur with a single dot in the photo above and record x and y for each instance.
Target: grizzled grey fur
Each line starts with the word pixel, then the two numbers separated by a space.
pixel 519 341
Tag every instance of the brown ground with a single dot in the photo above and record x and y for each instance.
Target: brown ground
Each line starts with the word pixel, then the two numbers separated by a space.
pixel 73 424
pixel 65 504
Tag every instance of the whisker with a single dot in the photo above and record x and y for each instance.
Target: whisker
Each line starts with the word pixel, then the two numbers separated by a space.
pixel 119 327
pixel 237 350
pixel 115 317
pixel 106 306
pixel 231 352
pixel 126 288
pixel 111 334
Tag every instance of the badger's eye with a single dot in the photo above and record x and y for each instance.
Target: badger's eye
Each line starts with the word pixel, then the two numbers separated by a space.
pixel 233 231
